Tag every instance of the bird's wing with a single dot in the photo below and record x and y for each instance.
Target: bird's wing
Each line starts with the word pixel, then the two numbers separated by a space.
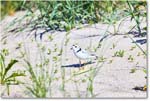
pixel 84 51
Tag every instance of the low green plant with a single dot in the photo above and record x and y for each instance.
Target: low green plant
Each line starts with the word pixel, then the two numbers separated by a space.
pixel 92 74
pixel 119 53
pixel 38 87
pixel 90 87
pixel 110 61
pixel 49 51
pixel 6 77
pixel 9 7
pixel 40 73
pixel 130 58
pixel 135 12
pixel 145 71
pixel 4 42
pixel 101 59
pixel 133 70
pixel 19 45
pixel 66 15
pixel 113 46
pixel 50 37
pixel 5 51
pixel 132 48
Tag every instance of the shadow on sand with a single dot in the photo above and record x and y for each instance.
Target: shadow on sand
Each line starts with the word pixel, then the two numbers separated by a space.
pixel 77 65
pixel 141 41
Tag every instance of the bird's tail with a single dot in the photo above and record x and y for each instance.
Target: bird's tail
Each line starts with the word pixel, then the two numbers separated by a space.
pixel 94 56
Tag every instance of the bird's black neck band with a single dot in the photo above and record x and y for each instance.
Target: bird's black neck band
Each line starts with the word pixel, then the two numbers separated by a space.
pixel 78 50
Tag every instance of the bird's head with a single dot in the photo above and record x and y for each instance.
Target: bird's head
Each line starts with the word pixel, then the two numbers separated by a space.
pixel 75 48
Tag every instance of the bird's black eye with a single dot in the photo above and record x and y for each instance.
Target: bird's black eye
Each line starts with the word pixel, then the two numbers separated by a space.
pixel 75 46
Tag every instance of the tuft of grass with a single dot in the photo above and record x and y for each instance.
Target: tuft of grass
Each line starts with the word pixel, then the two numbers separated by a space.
pixel 10 7
pixel 110 61
pixel 9 78
pixel 40 74
pixel 113 46
pixel 101 59
pixel 133 70
pixel 49 51
pixel 132 48
pixel 145 71
pixel 119 53
pixel 38 88
pixel 139 53
pixel 90 87
pixel 136 13
pixel 130 58
pixel 5 51
pixel 66 15
pixel 50 37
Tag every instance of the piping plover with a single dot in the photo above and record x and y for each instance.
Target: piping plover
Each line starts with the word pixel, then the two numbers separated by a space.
pixel 82 54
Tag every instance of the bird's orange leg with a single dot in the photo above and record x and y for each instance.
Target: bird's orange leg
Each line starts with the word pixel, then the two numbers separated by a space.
pixel 79 64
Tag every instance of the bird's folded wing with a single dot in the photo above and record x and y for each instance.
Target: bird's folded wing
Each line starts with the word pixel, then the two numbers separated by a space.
pixel 84 51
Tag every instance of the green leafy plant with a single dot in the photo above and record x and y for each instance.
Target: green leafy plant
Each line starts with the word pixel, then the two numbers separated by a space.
pixel 5 51
pixel 49 51
pixel 19 45
pixel 39 74
pixel 7 78
pixel 133 70
pixel 9 7
pixel 132 48
pixel 145 71
pixel 119 53
pixel 101 59
pixel 135 13
pixel 110 61
pixel 38 88
pixel 66 15
pixel 130 58
pixel 50 37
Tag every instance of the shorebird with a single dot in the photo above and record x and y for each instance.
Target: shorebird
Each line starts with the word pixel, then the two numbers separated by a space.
pixel 82 54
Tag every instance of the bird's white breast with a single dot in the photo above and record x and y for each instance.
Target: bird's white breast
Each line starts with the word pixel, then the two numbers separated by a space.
pixel 82 55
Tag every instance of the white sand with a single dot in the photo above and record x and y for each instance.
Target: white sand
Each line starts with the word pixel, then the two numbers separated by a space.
pixel 114 80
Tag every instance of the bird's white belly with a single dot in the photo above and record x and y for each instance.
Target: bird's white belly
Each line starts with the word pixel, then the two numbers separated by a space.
pixel 82 56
